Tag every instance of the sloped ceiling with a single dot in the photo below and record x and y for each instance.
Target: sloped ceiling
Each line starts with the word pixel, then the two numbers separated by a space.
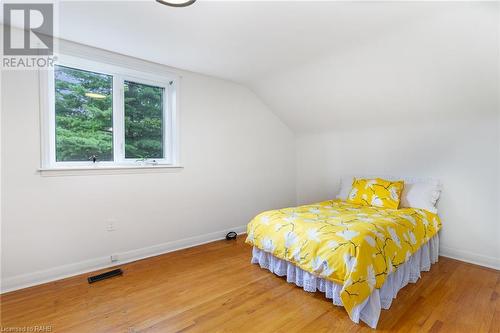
pixel 242 41
pixel 318 65
pixel 439 61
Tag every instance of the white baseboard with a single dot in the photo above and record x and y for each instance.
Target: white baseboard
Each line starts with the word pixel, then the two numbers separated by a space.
pixel 61 272
pixel 470 257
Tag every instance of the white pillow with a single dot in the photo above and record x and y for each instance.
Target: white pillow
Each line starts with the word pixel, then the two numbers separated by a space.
pixel 345 187
pixel 417 193
pixel 420 195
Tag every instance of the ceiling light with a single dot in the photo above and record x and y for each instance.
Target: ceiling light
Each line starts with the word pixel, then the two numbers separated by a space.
pixel 94 95
pixel 176 3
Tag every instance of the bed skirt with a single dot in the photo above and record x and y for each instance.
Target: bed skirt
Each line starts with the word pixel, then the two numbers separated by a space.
pixel 368 311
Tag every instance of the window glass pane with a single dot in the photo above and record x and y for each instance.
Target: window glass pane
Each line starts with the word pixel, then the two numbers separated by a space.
pixel 84 115
pixel 143 121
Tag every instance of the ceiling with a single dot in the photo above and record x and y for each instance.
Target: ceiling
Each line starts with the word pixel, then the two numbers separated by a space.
pixel 314 63
pixel 241 41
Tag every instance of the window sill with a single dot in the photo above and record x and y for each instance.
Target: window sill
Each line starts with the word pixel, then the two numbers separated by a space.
pixel 108 170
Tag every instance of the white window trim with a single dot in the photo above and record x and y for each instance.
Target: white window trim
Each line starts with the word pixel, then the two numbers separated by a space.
pixel 120 74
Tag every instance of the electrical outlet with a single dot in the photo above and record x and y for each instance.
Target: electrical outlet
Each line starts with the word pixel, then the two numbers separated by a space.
pixel 114 257
pixel 110 224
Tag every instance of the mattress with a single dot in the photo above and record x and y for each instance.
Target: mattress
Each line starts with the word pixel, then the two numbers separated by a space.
pixel 353 246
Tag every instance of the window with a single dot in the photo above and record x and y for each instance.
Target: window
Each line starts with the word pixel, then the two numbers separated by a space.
pixel 83 114
pixel 101 115
pixel 143 120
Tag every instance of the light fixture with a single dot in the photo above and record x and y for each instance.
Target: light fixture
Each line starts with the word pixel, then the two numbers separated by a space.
pixel 176 3
pixel 95 95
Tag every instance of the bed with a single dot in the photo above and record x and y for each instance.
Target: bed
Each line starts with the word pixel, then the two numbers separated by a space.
pixel 360 256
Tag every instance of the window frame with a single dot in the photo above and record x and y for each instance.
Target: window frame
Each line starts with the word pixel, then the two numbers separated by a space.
pixel 119 74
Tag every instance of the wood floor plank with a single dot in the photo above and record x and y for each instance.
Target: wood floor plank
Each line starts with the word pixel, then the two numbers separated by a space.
pixel 214 288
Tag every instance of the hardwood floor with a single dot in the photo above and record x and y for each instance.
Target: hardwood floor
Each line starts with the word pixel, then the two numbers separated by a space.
pixel 214 288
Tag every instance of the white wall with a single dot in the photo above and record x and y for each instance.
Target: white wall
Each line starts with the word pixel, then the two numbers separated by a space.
pixel 238 160
pixel 422 100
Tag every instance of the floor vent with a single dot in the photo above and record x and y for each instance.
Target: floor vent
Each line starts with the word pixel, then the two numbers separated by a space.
pixel 107 275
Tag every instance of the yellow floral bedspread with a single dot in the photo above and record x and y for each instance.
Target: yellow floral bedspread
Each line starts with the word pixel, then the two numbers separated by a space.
pixel 353 245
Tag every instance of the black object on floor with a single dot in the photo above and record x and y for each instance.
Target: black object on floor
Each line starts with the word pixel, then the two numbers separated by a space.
pixel 231 235
pixel 107 275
